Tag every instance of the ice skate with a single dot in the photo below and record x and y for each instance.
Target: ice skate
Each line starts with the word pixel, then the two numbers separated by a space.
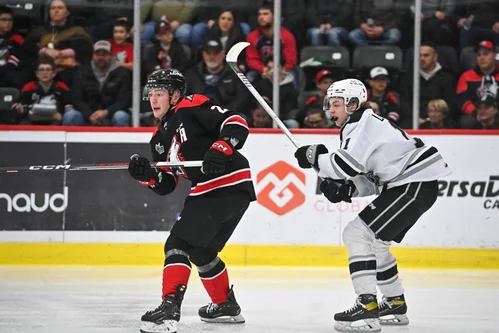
pixel 166 316
pixel 392 311
pixel 362 317
pixel 226 312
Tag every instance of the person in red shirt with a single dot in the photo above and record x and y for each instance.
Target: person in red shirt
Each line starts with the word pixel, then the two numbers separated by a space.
pixel 262 45
pixel 120 47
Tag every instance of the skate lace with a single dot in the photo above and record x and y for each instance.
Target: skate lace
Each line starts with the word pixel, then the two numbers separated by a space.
pixel 385 303
pixel 355 306
pixel 212 307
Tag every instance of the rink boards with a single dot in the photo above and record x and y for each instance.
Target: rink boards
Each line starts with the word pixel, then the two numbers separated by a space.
pixel 104 217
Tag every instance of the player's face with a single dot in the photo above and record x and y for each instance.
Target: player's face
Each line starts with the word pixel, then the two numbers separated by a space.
pixel 337 111
pixel 160 102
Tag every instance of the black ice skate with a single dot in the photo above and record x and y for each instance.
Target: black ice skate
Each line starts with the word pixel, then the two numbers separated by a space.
pixel 392 311
pixel 226 312
pixel 362 317
pixel 166 316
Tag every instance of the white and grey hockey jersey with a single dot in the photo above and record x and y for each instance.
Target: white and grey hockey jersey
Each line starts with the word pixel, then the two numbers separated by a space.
pixel 374 154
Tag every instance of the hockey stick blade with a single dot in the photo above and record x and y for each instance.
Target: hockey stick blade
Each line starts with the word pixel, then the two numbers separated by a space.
pixel 231 58
pixel 92 167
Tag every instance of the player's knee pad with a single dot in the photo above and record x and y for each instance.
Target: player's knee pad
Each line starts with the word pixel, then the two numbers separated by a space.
pixel 357 232
pixel 176 251
pixel 202 257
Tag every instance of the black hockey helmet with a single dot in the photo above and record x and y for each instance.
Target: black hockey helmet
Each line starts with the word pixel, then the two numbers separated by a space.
pixel 169 79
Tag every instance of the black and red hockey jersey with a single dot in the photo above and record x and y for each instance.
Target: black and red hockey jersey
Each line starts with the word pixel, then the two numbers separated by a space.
pixel 58 94
pixel 188 131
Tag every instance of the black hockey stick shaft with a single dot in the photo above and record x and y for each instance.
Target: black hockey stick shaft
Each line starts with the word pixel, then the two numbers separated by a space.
pixel 92 167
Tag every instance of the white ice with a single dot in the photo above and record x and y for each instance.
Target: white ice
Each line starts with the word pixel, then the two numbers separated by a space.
pixel 111 300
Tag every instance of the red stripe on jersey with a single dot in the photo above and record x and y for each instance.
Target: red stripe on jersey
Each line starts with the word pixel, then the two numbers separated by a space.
pixel 13 60
pixel 233 178
pixel 191 101
pixel 16 38
pixel 170 172
pixel 235 120
pixel 61 85
pixel 29 86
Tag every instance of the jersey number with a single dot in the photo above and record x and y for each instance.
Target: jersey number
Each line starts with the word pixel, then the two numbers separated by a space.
pixel 219 109
pixel 346 144
pixel 393 125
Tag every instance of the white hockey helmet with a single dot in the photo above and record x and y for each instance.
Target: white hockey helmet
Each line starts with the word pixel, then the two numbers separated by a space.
pixel 351 90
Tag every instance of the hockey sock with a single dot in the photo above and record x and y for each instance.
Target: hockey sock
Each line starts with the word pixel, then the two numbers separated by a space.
pixel 176 271
pixel 215 280
pixel 389 282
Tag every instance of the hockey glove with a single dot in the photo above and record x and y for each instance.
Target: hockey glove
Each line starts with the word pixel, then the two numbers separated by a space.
pixel 140 169
pixel 308 156
pixel 337 191
pixel 216 158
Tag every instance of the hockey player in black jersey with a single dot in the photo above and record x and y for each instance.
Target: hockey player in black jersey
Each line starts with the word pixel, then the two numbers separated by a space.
pixel 193 128
pixel 375 157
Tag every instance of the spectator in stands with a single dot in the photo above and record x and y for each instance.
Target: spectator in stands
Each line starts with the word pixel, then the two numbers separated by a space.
pixel 474 84
pixel 377 20
pixel 323 79
pixel 68 44
pixel 287 92
pixel 438 116
pixel 45 100
pixel 165 51
pixel 315 118
pixel 330 21
pixel 388 101
pixel 207 13
pixel 435 83
pixel 478 20
pixel 102 91
pixel 487 114
pixel 180 14
pixel 11 52
pixel 262 45
pixel 227 29
pixel 437 22
pixel 259 117
pixel 214 78
pixel 122 50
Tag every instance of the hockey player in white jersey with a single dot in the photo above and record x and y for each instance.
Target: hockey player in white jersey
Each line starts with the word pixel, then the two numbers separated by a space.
pixel 375 157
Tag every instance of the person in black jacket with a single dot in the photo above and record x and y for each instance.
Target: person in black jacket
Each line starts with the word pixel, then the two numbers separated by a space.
pixel 478 20
pixel 11 51
pixel 213 77
pixel 101 92
pixel 377 20
pixel 330 21
pixel 193 128
pixel 165 52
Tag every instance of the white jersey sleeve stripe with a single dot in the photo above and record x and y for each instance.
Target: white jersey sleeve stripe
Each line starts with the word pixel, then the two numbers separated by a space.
pixel 350 160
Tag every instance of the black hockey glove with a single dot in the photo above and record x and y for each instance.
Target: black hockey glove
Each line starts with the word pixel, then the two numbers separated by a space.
pixel 308 156
pixel 337 191
pixel 216 158
pixel 140 169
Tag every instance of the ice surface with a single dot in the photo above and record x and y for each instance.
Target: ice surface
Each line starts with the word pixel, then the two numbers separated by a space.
pixel 78 299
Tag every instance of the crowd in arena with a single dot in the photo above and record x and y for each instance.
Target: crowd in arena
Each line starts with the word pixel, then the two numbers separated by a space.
pixel 72 64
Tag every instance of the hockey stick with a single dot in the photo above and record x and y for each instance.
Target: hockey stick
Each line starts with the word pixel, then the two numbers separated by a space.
pixel 231 58
pixel 91 167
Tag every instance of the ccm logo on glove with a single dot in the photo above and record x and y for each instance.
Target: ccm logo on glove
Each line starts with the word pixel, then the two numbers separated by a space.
pixel 222 146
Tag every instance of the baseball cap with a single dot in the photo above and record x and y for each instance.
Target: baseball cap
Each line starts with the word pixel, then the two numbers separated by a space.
pixel 212 44
pixel 102 45
pixel 323 74
pixel 486 44
pixel 487 100
pixel 162 26
pixel 378 71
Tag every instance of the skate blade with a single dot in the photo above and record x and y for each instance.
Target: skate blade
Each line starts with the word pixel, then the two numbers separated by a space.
pixel 394 320
pixel 239 319
pixel 169 326
pixel 363 325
